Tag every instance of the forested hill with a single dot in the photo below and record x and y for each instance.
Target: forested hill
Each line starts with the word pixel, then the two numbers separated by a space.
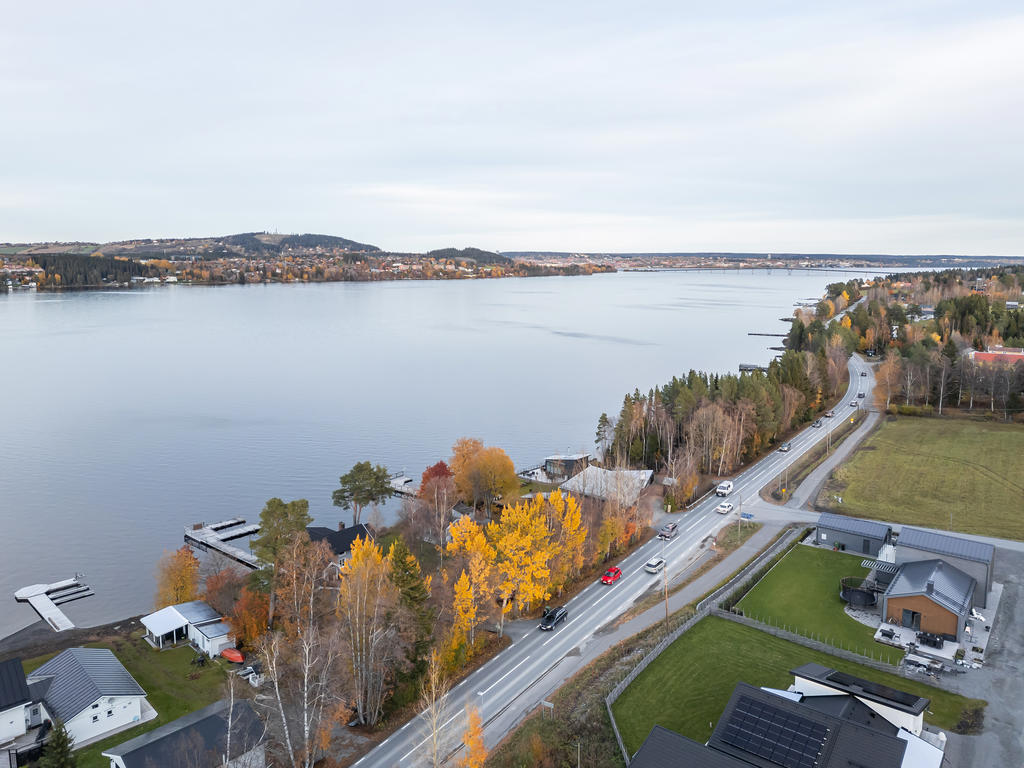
pixel 468 254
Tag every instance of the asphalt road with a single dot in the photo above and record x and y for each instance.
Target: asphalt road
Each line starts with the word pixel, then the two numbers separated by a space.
pixel 510 678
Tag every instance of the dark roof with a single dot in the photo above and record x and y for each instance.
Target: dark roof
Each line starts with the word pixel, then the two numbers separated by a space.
pixel 196 612
pixel 856 686
pixel 854 525
pixel 197 739
pixel 82 675
pixel 339 541
pixel 942 544
pixel 949 586
pixel 13 688
pixel 767 730
pixel 667 749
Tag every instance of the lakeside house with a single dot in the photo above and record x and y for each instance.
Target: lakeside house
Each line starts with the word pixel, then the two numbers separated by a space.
pixel 341 540
pixel 621 485
pixel 91 692
pixel 194 621
pixel 558 468
pixel 199 740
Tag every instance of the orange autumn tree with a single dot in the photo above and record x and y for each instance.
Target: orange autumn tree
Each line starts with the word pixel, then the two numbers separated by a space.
pixel 248 620
pixel 465 610
pixel 473 739
pixel 177 577
pixel 482 474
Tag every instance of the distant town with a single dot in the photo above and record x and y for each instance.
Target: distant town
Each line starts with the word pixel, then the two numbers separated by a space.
pixel 263 257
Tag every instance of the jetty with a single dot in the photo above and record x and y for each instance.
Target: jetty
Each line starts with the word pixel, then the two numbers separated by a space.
pixel 402 484
pixel 780 335
pixel 215 537
pixel 749 367
pixel 45 598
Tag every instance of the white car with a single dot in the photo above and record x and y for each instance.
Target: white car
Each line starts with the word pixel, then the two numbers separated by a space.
pixel 724 488
pixel 655 564
pixel 724 508
pixel 853 403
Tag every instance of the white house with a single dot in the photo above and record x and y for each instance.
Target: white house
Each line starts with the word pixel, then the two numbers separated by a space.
pixel 195 621
pixel 15 701
pixel 90 691
pixel 198 740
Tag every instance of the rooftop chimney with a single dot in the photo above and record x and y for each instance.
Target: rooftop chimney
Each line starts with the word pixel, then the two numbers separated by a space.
pixel 929 587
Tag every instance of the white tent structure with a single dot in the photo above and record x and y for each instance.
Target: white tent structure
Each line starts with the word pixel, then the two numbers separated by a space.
pixel 621 485
pixel 195 621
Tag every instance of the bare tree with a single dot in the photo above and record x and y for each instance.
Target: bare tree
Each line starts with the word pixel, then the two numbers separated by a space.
pixel 434 701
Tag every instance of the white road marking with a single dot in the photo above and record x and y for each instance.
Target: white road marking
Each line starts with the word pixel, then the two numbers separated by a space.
pixel 553 635
pixel 517 666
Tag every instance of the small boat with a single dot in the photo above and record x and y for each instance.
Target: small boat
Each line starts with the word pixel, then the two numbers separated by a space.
pixel 233 654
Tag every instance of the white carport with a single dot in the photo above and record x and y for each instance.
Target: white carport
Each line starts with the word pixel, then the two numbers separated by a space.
pixel 165 626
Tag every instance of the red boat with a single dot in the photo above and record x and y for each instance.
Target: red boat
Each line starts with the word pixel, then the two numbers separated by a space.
pixel 233 654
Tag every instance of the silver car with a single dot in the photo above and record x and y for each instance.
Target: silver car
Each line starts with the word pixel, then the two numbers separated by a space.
pixel 655 564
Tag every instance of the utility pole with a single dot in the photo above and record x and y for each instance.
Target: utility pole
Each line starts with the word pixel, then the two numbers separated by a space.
pixel 664 581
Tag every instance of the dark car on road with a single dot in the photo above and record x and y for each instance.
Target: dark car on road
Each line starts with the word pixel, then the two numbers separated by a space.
pixel 863 373
pixel 668 531
pixel 817 423
pixel 552 616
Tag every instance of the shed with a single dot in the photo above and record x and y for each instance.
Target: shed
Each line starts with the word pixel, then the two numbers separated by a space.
pixel 195 621
pixel 930 596
pixel 866 537
pixel 975 558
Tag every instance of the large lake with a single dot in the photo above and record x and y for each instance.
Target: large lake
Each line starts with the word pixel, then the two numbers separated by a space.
pixel 128 415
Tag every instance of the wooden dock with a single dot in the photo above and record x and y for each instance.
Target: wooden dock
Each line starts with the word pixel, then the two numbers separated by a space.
pixel 779 335
pixel 215 538
pixel 45 598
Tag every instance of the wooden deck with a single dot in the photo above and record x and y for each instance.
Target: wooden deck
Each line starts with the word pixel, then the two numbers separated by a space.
pixel 215 537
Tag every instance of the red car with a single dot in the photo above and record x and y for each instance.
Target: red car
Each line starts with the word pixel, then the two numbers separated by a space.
pixel 612 575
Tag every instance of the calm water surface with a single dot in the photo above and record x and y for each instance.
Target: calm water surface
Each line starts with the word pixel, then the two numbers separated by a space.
pixel 129 415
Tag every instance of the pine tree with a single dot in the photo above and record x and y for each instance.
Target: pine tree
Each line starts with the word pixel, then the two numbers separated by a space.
pixel 57 753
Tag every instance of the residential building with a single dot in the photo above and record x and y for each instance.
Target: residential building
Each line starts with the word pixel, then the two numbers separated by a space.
pixel 930 596
pixel 90 691
pixel 15 701
pixel 621 485
pixel 864 537
pixel 826 719
pixel 974 558
pixel 194 621
pixel 198 740
pixel 340 540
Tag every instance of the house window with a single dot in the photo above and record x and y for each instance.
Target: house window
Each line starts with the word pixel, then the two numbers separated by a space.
pixel 95 718
pixel 96 705
pixel 824 537
pixel 35 711
pixel 110 713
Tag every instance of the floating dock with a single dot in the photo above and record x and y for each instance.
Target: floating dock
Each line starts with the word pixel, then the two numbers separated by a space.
pixel 215 537
pixel 45 598
pixel 402 485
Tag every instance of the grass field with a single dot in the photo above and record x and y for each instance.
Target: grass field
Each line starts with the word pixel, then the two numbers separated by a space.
pixel 687 687
pixel 172 685
pixel 802 592
pixel 922 471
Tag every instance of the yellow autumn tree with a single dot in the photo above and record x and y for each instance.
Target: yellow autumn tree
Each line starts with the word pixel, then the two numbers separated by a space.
pixel 468 538
pixel 177 577
pixel 522 547
pixel 569 536
pixel 464 610
pixel 473 740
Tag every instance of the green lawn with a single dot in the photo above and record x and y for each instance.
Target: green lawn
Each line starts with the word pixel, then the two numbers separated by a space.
pixel 922 471
pixel 173 687
pixel 687 687
pixel 802 592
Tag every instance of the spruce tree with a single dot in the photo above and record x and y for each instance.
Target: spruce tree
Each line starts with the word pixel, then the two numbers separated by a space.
pixel 57 752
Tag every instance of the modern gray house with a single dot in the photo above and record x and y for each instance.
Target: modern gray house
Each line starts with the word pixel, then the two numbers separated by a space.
pixel 863 537
pixel 974 558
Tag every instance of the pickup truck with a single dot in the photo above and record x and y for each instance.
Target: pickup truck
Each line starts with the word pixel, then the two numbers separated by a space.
pixel 724 488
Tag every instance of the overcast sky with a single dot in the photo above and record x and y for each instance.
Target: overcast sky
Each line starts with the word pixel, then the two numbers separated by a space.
pixel 581 126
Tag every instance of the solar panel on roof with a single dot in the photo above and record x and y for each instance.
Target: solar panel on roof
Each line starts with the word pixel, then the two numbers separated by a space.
pixel 772 733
